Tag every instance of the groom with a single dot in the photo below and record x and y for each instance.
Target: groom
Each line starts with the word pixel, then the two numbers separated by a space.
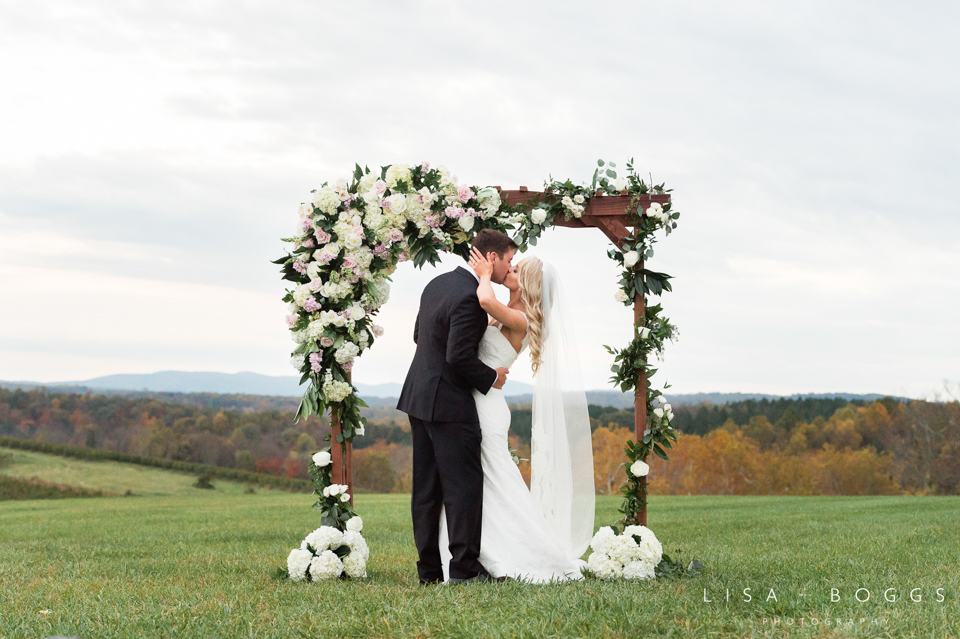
pixel 443 416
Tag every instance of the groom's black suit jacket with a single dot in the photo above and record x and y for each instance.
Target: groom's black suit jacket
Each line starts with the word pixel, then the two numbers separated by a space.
pixel 445 368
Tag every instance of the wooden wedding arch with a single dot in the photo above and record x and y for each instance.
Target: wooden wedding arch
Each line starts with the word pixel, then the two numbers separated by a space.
pixel 603 212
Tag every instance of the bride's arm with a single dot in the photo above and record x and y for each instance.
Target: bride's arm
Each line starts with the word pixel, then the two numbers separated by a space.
pixel 512 319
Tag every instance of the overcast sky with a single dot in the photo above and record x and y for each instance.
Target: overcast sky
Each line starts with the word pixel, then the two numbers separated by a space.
pixel 153 154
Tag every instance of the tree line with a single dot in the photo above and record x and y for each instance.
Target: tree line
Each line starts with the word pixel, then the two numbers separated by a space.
pixel 798 446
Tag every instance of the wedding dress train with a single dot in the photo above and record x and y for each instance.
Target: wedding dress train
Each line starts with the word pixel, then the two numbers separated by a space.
pixel 516 540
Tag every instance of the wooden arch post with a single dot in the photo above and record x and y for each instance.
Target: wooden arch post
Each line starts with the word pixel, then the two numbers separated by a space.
pixel 342 455
pixel 609 214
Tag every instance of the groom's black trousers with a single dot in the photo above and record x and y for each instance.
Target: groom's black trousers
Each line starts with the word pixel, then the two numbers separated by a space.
pixel 447 473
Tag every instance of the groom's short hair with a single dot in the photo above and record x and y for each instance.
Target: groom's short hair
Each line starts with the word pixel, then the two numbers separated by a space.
pixel 490 241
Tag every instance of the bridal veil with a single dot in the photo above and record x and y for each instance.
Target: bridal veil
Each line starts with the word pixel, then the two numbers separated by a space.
pixel 561 456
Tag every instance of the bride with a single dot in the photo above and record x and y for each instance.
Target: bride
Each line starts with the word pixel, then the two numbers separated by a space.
pixel 535 535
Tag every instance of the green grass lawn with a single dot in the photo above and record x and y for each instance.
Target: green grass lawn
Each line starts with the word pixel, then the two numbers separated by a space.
pixel 109 476
pixel 193 564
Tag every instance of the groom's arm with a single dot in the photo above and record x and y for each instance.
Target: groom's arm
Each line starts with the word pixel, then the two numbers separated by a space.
pixel 416 328
pixel 467 321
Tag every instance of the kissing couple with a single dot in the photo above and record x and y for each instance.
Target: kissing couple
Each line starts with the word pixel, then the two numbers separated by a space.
pixel 474 519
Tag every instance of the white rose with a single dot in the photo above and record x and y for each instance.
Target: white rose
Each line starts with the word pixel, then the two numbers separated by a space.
pixel 344 497
pixel 620 183
pixel 644 332
pixel 639 468
pixel 661 399
pixel 620 296
pixel 466 222
pixel 658 412
pixel 630 259
pixel 538 216
pixel 578 198
pixel 398 203
pixel 362 430
pixel 322 458
pixel 355 524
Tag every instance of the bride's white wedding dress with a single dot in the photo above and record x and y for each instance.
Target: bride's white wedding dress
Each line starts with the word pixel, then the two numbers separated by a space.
pixel 515 539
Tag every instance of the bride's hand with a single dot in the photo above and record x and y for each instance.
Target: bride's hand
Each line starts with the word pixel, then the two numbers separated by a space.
pixel 480 264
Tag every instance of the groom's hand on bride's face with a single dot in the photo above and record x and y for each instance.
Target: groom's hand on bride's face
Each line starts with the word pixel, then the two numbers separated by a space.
pixel 501 378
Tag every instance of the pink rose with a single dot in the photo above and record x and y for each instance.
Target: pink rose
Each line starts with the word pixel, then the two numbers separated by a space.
pixel 291 321
pixel 349 262
pixel 322 237
pixel 308 242
pixel 326 342
pixel 377 330
pixel 464 193
pixel 396 235
pixel 379 187
pixel 315 285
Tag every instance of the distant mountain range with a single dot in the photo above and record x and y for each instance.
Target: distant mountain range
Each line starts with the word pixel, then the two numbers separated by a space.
pixel 374 394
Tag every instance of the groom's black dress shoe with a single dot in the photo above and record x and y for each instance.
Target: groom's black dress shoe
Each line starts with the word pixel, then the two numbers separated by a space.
pixel 430 582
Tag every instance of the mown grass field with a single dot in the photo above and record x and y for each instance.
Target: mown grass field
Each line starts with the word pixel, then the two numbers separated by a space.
pixel 109 476
pixel 193 563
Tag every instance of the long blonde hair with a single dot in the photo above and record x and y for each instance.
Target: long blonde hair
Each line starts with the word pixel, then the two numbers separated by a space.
pixel 530 275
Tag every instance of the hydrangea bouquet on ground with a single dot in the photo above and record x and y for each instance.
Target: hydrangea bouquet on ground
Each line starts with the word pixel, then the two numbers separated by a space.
pixel 328 553
pixel 633 555
pixel 336 548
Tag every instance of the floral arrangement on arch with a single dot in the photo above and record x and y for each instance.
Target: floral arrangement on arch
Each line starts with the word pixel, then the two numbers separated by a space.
pixel 349 239
pixel 351 236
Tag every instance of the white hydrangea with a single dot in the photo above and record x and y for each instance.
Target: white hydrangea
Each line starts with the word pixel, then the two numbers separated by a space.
pixel 301 294
pixel 604 567
pixel 297 563
pixel 639 570
pixel 347 353
pixel 326 565
pixel 601 540
pixel 335 391
pixel 367 181
pixel 297 362
pixel 357 544
pixel 327 200
pixel 363 256
pixel 355 566
pixel 650 547
pixel 354 524
pixel 623 549
pixel 398 172
pixel 323 538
